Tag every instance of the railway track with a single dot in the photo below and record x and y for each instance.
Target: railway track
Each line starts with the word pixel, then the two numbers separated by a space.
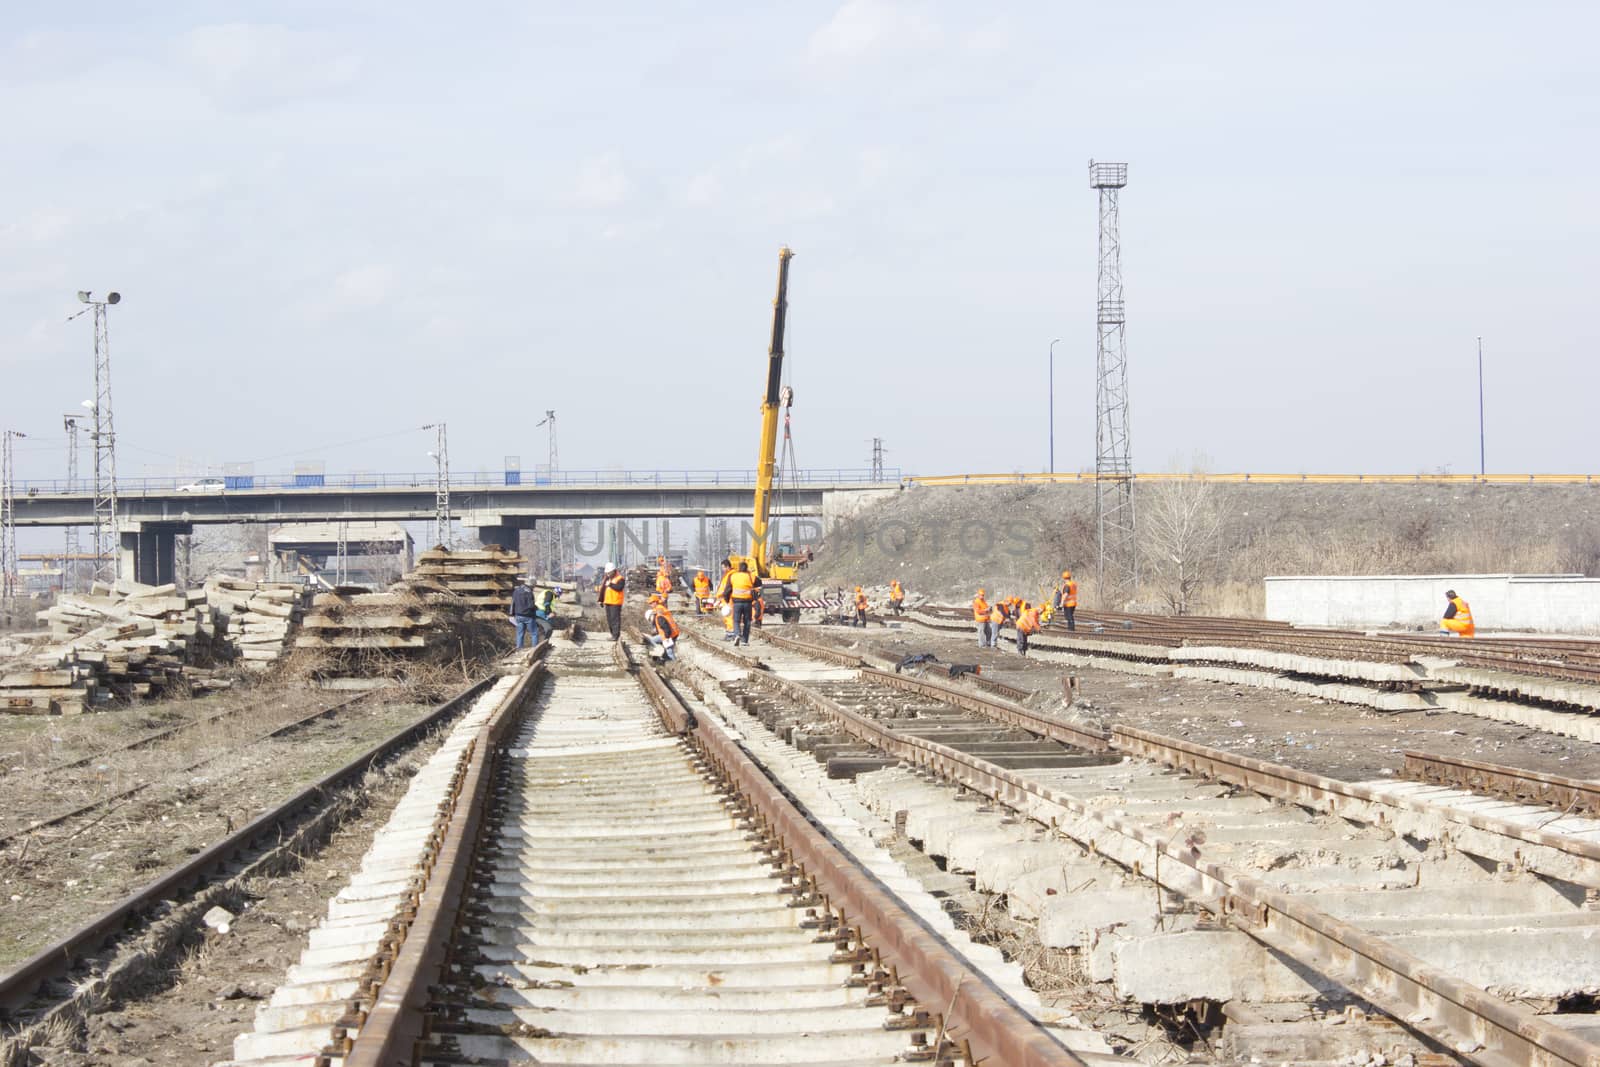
pixel 98 960
pixel 616 879
pixel 1369 891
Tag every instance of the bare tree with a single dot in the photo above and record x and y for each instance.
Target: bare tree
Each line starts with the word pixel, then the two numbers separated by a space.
pixel 1181 524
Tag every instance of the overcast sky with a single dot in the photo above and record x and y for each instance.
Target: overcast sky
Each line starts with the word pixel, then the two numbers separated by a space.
pixel 335 221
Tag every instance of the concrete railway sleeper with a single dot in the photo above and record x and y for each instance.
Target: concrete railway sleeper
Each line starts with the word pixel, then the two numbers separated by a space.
pixel 619 882
pixel 1359 910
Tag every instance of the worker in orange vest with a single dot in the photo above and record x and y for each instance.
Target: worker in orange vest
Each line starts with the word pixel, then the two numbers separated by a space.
pixel 725 594
pixel 861 607
pixel 1457 616
pixel 663 585
pixel 741 591
pixel 897 596
pixel 1027 626
pixel 665 627
pixel 980 615
pixel 702 589
pixel 997 621
pixel 1066 598
pixel 611 595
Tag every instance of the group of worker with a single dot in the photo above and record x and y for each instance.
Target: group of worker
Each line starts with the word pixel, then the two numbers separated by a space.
pixel 531 613
pixel 1026 617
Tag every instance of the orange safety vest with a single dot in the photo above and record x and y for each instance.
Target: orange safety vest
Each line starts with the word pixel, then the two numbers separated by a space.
pixel 670 629
pixel 861 602
pixel 1069 594
pixel 1029 622
pixel 980 609
pixel 663 584
pixel 895 592
pixel 614 587
pixel 742 585
pixel 997 617
pixel 702 585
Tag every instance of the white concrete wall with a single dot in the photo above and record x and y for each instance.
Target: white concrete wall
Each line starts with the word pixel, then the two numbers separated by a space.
pixel 1567 603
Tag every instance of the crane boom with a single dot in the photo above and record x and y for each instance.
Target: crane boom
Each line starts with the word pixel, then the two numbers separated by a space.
pixel 771 403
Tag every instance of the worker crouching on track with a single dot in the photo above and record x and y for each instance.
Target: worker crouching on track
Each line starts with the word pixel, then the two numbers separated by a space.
pixel 664 628
pixel 1457 616
pixel 741 591
pixel 612 590
pixel 702 590
pixel 897 597
pixel 980 615
pixel 1027 626
pixel 861 608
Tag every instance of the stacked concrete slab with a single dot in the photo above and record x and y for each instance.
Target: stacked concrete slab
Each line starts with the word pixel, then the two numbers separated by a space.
pixel 259 616
pixel 482 578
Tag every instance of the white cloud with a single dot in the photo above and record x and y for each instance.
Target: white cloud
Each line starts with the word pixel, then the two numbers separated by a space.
pixel 862 28
pixel 255 64
pixel 602 182
pixel 704 188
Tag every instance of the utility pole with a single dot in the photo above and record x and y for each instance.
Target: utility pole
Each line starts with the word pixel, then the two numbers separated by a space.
pixel 877 459
pixel 8 519
pixel 107 554
pixel 553 539
pixel 71 542
pixel 341 557
pixel 1113 464
pixel 1483 466
pixel 441 485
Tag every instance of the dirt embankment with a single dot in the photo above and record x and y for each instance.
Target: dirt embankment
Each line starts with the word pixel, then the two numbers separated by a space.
pixel 944 542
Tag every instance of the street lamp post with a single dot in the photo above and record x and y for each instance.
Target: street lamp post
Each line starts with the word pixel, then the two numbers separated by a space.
pixel 1053 404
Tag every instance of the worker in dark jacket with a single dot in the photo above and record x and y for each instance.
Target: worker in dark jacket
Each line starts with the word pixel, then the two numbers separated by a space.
pixel 522 610
pixel 611 595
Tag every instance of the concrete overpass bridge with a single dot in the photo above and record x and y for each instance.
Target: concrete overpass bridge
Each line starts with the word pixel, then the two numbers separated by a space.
pixel 153 513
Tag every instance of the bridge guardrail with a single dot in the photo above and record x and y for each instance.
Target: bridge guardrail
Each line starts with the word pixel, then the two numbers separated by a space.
pixel 576 479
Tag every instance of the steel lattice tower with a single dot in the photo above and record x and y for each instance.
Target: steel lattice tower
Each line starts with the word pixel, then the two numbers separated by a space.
pixel 441 485
pixel 8 518
pixel 107 556
pixel 1113 463
pixel 71 545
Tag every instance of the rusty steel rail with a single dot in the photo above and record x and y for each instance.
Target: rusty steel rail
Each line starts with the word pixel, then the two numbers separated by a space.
pixel 1483 1028
pixel 1557 855
pixel 849 659
pixel 1084 737
pixel 956 1002
pixel 58 958
pixel 396 1021
pixel 1569 795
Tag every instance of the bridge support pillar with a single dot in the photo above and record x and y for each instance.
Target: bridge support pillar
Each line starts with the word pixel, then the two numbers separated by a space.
pixel 499 537
pixel 150 553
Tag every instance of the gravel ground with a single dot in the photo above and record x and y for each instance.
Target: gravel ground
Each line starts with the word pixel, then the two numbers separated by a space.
pixel 214 992
pixel 1321 737
pixel 53 879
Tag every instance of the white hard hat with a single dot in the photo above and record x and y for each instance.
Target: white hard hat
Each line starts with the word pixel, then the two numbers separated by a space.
pixel 609 566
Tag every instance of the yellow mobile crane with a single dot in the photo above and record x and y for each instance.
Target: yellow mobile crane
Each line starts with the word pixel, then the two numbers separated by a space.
pixel 778 588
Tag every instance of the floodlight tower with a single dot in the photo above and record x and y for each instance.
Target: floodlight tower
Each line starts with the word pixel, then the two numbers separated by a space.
pixel 877 459
pixel 71 545
pixel 1113 463
pixel 8 518
pixel 441 485
pixel 104 436
pixel 554 540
